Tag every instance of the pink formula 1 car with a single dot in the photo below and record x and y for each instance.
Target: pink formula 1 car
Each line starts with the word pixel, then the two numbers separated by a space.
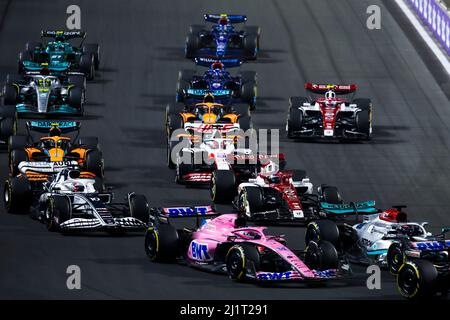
pixel 222 243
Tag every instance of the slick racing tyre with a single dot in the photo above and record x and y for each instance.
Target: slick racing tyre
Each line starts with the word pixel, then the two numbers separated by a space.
pixel 139 208
pixel 17 195
pixel 94 163
pixel 90 143
pixel 322 230
pixel 78 81
pixel 256 31
pixel 245 123
pixel 99 184
pixel 295 116
pixel 192 45
pixel 249 76
pixel 417 279
pixel 251 46
pixel 223 184
pixel 58 210
pixel 330 194
pixel 76 99
pixel 17 142
pixel 250 201
pixel 8 127
pixel 16 156
pixel 24 55
pixel 395 257
pixel 321 255
pixel 33 45
pixel 161 243
pixel 364 117
pixel 239 259
pixel 248 94
pixel 9 94
pixel 196 28
pixel 93 49
pixel 184 83
pixel 87 65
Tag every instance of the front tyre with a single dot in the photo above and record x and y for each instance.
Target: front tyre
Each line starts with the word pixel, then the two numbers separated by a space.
pixel 161 243
pixel 238 260
pixel 417 279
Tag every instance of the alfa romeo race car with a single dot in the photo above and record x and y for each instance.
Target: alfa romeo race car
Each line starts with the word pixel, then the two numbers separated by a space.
pixel 45 94
pixel 329 116
pixel 222 40
pixel 227 89
pixel 26 153
pixel 71 200
pixel 421 264
pixel 206 117
pixel 60 55
pixel 224 244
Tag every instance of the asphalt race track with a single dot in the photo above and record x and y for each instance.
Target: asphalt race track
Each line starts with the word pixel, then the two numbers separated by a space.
pixel 408 161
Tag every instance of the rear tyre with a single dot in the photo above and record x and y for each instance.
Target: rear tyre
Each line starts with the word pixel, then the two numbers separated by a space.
pixel 322 230
pixel 256 31
pixel 417 279
pixel 9 94
pixel 245 123
pixel 16 156
pixel 248 94
pixel 77 81
pixel 58 211
pixel 95 163
pixel 330 194
pixel 7 128
pixel 87 65
pixel 321 255
pixel 17 195
pixel 250 201
pixel 192 44
pixel 223 184
pixel 295 116
pixel 239 258
pixel 76 99
pixel 161 243
pixel 90 143
pixel 139 208
pixel 93 49
pixel 23 56
pixel 33 45
pixel 251 46
pixel 184 80
pixel 17 142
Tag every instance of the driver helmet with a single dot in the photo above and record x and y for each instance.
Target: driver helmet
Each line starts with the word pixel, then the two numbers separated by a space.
pixel 223 21
pixel 217 66
pixel 270 168
pixel 330 94
pixel 54 131
pixel 45 71
pixel 208 98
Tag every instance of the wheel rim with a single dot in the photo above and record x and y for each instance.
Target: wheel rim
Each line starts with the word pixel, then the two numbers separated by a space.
pixel 152 245
pixel 312 235
pixel 6 195
pixel 408 281
pixel 234 264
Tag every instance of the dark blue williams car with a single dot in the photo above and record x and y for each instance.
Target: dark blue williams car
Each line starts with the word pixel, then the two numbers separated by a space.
pixel 223 40
pixel 219 82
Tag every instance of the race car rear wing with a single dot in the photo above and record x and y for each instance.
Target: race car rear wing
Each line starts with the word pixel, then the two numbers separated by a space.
pixel 348 208
pixel 200 93
pixel 232 18
pixel 227 63
pixel 159 215
pixel 337 88
pixel 45 125
pixel 62 35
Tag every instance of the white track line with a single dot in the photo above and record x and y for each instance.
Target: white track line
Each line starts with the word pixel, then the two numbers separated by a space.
pixel 442 57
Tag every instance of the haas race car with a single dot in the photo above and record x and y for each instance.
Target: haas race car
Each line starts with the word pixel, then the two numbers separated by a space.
pixel 60 55
pixel 54 148
pixel 43 93
pixel 71 200
pixel 222 40
pixel 224 244
pixel 325 114
pixel 192 87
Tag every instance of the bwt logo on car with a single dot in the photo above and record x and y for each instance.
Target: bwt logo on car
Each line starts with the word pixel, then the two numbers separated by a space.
pixel 274 275
pixel 432 245
pixel 199 251
pixel 187 211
